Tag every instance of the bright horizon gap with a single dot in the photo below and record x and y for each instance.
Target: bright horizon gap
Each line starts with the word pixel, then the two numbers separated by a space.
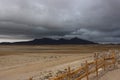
pixel 13 40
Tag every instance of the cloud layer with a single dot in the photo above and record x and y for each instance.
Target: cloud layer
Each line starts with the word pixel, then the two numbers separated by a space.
pixel 95 20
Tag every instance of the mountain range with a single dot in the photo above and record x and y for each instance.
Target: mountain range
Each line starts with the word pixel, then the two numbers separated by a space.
pixel 49 41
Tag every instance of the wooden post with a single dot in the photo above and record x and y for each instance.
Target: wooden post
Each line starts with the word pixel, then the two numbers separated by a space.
pixel 114 60
pixel 104 63
pixel 87 70
pixel 96 62
pixel 96 56
pixel 69 75
pixel 31 78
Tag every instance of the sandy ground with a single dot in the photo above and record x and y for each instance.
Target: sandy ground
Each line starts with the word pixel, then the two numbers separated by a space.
pixel 111 75
pixel 23 62
pixel 20 67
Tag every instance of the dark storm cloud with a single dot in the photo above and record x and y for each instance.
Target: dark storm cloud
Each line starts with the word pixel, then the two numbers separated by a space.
pixel 96 20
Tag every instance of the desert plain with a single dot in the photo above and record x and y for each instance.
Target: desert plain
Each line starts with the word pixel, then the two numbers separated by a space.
pixel 20 62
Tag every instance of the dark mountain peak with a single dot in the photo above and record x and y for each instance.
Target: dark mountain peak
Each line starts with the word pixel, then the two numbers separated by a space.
pixel 45 41
pixel 47 38
pixel 76 38
pixel 62 39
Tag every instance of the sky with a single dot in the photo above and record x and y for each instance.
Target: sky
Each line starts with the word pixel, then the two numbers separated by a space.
pixel 94 20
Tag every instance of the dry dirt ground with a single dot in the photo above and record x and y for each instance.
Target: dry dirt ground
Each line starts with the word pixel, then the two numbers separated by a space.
pixel 23 62
pixel 112 75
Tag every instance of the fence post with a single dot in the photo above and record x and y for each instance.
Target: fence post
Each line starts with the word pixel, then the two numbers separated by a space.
pixel 104 63
pixel 96 56
pixel 96 63
pixel 87 70
pixel 69 75
pixel 114 60
pixel 31 78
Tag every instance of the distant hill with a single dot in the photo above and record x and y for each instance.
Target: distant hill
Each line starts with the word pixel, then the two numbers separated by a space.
pixel 49 41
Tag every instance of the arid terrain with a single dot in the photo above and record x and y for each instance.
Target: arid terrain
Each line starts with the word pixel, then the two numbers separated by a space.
pixel 23 62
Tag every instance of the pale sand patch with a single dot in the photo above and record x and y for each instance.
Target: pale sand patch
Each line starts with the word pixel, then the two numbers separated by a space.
pixel 111 75
pixel 20 67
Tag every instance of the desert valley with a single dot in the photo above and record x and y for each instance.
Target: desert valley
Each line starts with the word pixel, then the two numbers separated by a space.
pixel 20 62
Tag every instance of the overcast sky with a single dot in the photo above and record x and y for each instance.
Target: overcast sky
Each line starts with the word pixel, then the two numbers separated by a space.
pixel 95 20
